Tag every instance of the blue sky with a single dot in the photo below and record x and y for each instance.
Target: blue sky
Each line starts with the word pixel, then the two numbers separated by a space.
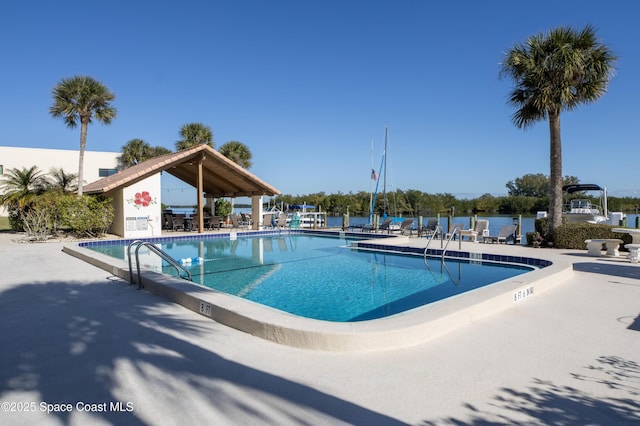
pixel 307 85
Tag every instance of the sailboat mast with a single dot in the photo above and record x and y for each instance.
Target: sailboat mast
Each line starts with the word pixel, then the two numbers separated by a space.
pixel 384 186
pixel 371 187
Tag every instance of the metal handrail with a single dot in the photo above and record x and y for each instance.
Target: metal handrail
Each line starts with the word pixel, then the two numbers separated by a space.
pixel 452 234
pixel 443 265
pixel 436 231
pixel 157 251
pixel 442 262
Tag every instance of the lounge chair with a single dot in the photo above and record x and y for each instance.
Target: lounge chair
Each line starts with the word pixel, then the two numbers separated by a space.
pixel 385 225
pixel 507 232
pixel 405 227
pixel 480 229
pixel 455 230
pixel 429 229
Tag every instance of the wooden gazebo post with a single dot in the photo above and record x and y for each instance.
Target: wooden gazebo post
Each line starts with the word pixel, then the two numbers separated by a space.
pixel 200 192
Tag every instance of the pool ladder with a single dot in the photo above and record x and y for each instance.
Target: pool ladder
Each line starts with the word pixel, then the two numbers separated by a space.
pixel 439 231
pixel 443 264
pixel 171 261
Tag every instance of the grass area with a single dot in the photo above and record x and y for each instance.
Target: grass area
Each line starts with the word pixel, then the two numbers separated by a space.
pixel 4 223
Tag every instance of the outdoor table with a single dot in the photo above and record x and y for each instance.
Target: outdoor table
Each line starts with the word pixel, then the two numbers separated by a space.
pixel 634 232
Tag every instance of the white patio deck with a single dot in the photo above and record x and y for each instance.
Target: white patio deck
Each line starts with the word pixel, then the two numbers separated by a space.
pixel 73 334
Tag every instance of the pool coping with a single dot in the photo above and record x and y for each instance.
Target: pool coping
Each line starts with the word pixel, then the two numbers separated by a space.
pixel 405 329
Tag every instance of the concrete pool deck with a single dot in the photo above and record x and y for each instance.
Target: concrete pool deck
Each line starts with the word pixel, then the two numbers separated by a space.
pixel 76 336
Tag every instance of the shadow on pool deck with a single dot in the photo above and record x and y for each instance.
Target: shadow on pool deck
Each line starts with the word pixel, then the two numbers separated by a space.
pixel 78 341
pixel 614 269
pixel 71 332
pixel 553 404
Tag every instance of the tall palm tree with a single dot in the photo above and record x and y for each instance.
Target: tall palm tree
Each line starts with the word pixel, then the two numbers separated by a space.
pixel 194 134
pixel 62 181
pixel 135 151
pixel 20 186
pixel 237 152
pixel 81 99
pixel 552 73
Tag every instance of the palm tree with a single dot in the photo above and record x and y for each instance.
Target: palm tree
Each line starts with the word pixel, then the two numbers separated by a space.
pixel 237 152
pixel 194 134
pixel 62 181
pixel 157 151
pixel 81 99
pixel 552 73
pixel 20 186
pixel 135 151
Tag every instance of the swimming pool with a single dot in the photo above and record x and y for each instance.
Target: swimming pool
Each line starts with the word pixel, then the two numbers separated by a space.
pixel 404 329
pixel 322 277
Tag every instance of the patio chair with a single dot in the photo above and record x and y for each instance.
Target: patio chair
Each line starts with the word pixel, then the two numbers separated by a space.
pixel 215 222
pixel 268 221
pixel 507 232
pixel 282 221
pixel 236 223
pixel 480 229
pixel 175 222
pixel 245 219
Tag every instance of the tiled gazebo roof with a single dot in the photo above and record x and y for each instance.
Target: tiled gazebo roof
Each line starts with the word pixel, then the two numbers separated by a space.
pixel 221 177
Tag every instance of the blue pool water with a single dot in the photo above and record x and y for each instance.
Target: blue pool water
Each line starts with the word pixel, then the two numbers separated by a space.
pixel 321 277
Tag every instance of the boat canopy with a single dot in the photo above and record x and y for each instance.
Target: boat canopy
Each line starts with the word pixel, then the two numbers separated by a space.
pixel 301 206
pixel 570 189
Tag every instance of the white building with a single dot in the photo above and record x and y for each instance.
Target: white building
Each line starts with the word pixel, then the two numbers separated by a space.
pixel 96 164
pixel 135 191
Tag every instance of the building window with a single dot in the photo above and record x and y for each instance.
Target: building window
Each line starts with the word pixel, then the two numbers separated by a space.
pixel 107 172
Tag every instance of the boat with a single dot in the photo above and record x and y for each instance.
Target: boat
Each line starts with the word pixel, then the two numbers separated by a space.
pixel 298 216
pixel 305 216
pixel 583 209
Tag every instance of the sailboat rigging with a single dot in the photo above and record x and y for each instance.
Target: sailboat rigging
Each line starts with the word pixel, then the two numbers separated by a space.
pixel 383 163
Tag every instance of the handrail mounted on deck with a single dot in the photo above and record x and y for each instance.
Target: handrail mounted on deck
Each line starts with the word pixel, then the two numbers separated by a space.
pixel 171 261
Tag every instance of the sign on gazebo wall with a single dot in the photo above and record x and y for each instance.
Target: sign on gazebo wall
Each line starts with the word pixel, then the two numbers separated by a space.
pixel 141 208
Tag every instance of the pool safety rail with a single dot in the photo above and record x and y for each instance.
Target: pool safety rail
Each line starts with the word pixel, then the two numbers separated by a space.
pixel 437 231
pixel 451 236
pixel 156 250
pixel 443 264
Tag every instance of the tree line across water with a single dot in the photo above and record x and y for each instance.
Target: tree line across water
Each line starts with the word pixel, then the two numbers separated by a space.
pixel 526 195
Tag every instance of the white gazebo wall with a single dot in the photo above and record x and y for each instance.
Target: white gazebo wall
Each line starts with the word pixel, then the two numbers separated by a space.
pixel 138 209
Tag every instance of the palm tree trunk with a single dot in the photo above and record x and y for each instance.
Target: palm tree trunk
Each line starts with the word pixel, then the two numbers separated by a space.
pixel 555 176
pixel 83 143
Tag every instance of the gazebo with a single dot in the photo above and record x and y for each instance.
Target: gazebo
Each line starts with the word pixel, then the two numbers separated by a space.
pixel 135 190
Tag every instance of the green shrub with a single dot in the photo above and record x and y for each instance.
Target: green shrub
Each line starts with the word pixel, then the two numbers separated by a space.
pixel 223 208
pixel 573 235
pixel 38 218
pixel 541 225
pixel 15 220
pixel 86 215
